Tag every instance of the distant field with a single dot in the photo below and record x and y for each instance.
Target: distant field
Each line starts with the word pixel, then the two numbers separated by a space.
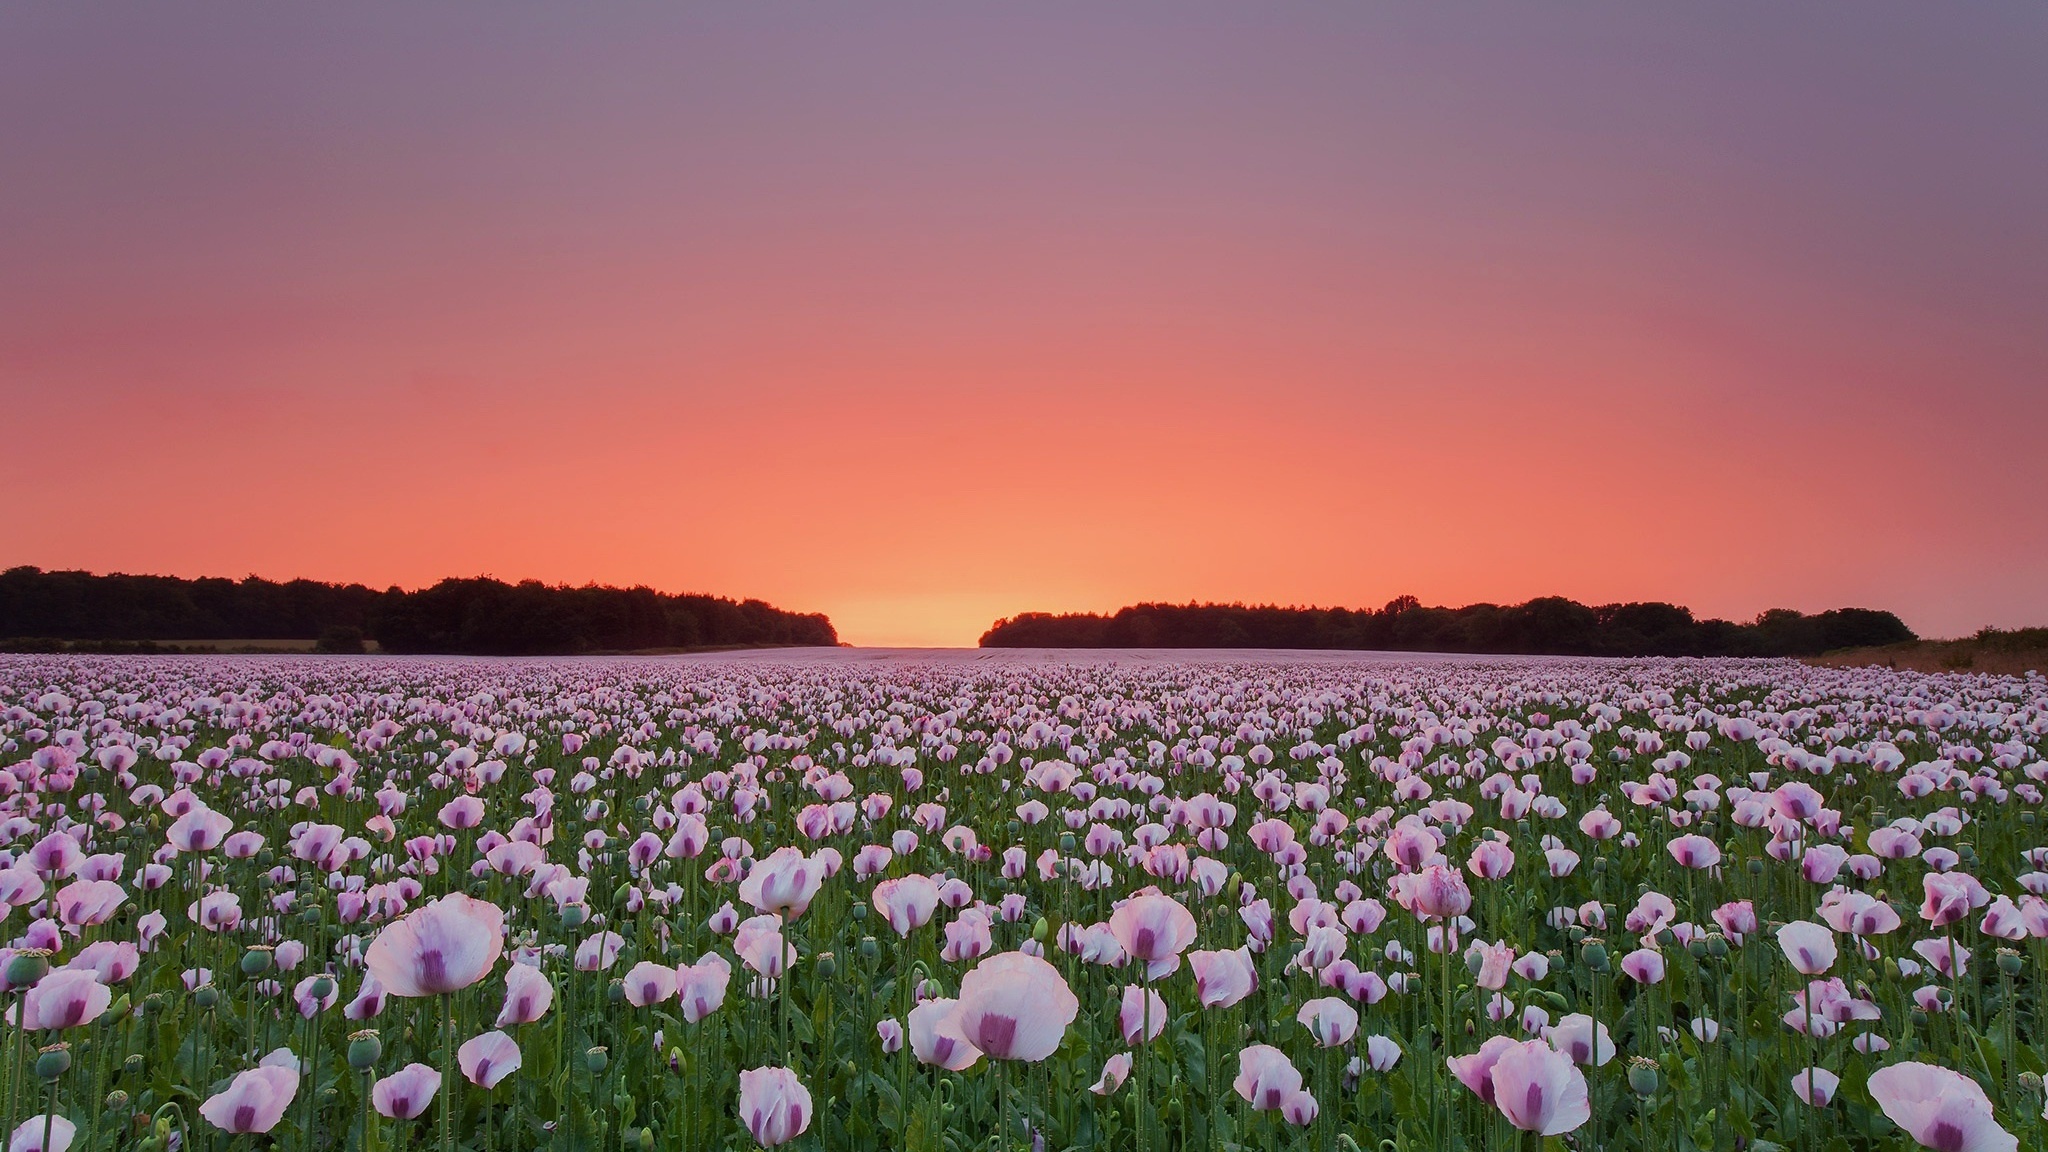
pixel 2000 653
pixel 171 647
pixel 242 645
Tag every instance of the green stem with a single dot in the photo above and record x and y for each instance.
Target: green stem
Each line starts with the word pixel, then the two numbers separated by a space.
pixel 447 1070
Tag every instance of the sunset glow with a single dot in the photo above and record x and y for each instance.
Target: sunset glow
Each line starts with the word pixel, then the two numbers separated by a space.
pixel 930 316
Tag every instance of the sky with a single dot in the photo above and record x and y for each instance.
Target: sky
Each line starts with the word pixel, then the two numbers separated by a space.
pixel 922 315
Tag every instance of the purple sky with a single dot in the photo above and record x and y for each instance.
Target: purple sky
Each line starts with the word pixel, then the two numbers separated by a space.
pixel 921 315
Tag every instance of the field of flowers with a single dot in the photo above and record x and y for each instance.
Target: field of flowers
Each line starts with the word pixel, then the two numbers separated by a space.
pixel 1020 901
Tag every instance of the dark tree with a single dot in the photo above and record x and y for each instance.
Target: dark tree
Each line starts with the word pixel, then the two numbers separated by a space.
pixel 475 616
pixel 1547 626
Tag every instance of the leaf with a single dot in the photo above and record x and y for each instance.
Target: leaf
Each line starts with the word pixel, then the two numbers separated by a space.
pixel 1194 1057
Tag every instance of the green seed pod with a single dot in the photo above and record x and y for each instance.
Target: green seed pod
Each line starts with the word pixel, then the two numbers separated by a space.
pixel 1717 946
pixel 117 1099
pixel 364 1048
pixel 28 966
pixel 206 996
pixel 1756 867
pixel 858 912
pixel 828 965
pixel 1067 841
pixel 256 960
pixel 1595 955
pixel 573 915
pixel 596 1059
pixel 265 857
pixel 615 991
pixel 133 1065
pixel 1643 1078
pixel 869 949
pixel 53 1061
pixel 311 915
pixel 1016 829
pixel 323 986
pixel 2010 963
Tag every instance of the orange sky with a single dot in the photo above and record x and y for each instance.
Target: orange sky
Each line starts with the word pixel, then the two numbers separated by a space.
pixel 937 316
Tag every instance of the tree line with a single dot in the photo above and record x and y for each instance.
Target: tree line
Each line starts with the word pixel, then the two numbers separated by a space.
pixel 1547 626
pixel 474 616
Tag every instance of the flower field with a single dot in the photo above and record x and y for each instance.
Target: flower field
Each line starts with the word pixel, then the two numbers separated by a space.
pixel 1020 901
